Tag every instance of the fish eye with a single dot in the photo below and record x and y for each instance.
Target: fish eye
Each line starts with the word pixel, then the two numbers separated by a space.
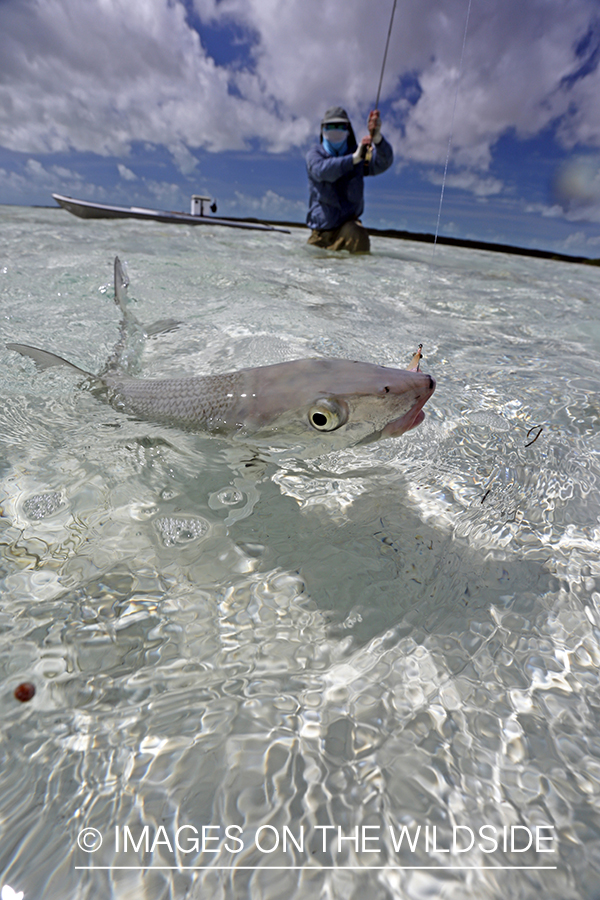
pixel 327 414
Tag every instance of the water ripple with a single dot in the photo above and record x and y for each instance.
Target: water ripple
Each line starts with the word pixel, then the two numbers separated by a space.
pixel 406 634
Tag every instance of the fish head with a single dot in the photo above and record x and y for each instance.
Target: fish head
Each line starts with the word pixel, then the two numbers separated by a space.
pixel 336 403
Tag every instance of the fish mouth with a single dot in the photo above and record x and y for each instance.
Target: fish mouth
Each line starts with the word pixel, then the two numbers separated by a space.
pixel 412 418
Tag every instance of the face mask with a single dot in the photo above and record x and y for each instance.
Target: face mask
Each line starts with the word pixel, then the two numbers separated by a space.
pixel 335 136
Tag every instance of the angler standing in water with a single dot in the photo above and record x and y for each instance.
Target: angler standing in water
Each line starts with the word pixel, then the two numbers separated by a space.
pixel 336 168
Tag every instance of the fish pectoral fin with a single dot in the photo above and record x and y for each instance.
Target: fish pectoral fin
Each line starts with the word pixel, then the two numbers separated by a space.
pixel 369 439
pixel 44 359
pixel 163 326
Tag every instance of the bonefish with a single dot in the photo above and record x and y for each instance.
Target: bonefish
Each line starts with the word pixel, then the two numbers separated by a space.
pixel 342 402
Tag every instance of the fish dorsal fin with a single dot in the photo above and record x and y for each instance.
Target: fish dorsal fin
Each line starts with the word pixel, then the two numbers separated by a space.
pixel 121 285
pixel 44 359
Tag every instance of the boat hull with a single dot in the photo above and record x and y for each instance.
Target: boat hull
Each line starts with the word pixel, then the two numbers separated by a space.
pixel 85 209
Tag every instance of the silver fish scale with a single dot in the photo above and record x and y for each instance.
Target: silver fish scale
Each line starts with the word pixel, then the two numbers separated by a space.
pixel 193 403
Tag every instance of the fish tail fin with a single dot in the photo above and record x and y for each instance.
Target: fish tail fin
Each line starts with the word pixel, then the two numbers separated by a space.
pixel 121 285
pixel 44 359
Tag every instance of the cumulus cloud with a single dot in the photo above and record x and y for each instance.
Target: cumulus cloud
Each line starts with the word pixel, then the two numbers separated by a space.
pixel 518 74
pixel 271 205
pixel 165 193
pixel 526 65
pixel 125 173
pixel 544 209
pixel 50 179
pixel 469 181
pixel 578 243
pixel 99 75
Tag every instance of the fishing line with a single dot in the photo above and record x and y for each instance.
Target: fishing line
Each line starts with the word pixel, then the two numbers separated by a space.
pixel 460 69
pixel 462 55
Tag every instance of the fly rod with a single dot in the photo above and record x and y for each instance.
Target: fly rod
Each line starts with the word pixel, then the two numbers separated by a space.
pixel 387 44
pixel 369 149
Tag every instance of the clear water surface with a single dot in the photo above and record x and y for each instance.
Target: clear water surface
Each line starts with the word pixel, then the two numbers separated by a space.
pixel 293 659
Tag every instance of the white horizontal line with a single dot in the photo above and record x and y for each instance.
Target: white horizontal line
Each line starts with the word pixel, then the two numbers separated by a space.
pixel 316 868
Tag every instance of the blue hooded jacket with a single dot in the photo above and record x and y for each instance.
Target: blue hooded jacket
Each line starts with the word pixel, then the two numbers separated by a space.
pixel 335 184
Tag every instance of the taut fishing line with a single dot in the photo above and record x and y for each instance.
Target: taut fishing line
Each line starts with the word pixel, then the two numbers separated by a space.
pixel 460 68
pixel 462 55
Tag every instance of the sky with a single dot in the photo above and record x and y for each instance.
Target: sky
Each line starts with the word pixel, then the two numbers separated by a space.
pixel 145 102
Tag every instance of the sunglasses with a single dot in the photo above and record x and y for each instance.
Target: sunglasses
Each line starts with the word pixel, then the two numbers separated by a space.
pixel 335 126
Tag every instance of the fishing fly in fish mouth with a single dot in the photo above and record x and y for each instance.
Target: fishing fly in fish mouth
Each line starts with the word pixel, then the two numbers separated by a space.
pixel 337 401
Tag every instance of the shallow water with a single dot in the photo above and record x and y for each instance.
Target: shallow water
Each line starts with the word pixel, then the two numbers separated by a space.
pixel 405 634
